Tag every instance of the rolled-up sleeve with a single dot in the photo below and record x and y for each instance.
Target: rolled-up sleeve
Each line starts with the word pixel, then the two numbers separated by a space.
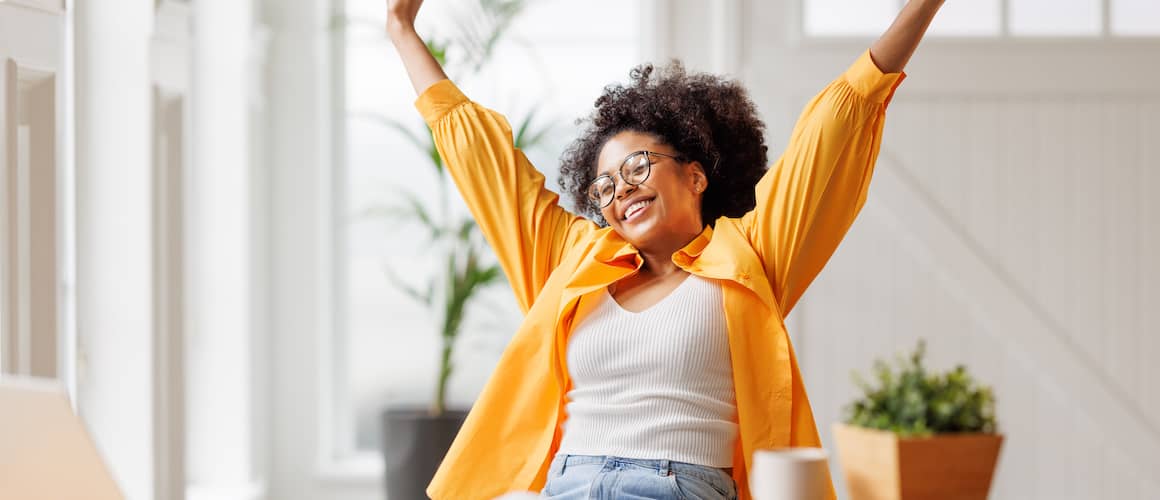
pixel 518 216
pixel 809 198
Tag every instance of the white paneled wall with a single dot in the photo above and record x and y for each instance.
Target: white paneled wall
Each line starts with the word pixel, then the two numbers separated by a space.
pixel 1048 202
pixel 1011 223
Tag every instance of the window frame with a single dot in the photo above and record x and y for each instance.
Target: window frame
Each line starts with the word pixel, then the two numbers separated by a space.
pixel 1005 34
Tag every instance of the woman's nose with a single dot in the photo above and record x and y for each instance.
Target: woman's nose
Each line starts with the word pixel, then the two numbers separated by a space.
pixel 623 188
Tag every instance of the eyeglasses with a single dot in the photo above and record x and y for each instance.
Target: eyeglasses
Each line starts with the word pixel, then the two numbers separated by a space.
pixel 634 170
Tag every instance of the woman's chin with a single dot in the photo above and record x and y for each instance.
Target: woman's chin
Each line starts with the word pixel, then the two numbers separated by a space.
pixel 637 232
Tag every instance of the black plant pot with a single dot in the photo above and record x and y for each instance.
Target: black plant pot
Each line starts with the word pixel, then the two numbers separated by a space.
pixel 414 443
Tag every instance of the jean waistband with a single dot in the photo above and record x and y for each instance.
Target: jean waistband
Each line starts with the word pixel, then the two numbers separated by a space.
pixel 661 466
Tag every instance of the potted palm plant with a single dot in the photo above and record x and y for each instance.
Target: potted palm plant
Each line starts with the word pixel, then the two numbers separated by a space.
pixel 919 435
pixel 416 439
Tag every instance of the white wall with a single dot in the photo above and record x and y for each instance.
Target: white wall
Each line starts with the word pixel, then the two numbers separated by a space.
pixel 114 277
pixel 1011 224
pixel 1016 240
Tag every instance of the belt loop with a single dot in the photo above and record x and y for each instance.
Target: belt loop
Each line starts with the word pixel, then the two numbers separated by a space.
pixel 563 463
pixel 666 468
pixel 608 463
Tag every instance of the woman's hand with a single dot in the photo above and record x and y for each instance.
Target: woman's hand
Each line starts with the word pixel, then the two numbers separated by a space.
pixel 401 16
pixel 422 68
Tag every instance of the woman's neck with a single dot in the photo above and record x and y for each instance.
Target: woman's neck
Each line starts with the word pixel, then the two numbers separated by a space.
pixel 658 260
pixel 658 264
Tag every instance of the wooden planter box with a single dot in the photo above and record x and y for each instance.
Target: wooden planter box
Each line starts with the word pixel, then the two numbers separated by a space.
pixel 878 465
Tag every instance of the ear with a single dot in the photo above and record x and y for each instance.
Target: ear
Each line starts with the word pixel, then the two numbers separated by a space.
pixel 698 181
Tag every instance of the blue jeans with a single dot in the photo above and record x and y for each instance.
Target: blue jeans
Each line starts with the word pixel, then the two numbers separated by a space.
pixel 575 477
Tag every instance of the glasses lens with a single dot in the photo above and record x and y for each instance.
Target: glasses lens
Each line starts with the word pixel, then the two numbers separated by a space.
pixel 636 168
pixel 601 191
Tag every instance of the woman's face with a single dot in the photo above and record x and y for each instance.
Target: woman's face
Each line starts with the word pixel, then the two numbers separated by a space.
pixel 662 213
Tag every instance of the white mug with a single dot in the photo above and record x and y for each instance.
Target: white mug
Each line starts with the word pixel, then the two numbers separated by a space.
pixel 790 474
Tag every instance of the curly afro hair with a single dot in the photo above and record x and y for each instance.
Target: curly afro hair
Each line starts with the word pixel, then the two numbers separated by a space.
pixel 704 117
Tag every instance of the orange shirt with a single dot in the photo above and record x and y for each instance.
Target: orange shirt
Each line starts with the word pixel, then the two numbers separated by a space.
pixel 764 261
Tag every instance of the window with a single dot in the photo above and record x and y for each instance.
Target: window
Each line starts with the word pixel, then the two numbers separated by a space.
pixel 1135 18
pixel 991 18
pixel 1055 17
pixel 389 343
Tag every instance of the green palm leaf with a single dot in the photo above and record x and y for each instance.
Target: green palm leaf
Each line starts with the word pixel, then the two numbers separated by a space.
pixel 526 136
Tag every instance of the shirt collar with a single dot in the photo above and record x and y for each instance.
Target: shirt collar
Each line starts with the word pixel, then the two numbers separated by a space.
pixel 613 247
pixel 728 256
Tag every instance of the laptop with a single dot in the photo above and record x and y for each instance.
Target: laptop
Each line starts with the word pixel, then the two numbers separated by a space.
pixel 45 451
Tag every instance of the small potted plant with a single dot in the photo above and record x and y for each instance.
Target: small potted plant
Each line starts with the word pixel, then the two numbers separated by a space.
pixel 919 435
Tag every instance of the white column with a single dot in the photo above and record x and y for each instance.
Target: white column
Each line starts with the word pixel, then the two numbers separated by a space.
pixel 302 218
pixel 220 440
pixel 113 259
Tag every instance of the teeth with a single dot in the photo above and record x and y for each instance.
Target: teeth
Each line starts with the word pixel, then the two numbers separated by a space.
pixel 635 207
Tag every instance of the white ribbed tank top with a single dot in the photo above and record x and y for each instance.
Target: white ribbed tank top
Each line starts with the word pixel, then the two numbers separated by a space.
pixel 657 384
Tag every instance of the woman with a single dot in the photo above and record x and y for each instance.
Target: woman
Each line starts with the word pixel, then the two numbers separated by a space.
pixel 654 358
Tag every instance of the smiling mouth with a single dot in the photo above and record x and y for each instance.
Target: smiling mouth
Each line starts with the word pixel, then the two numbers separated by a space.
pixel 637 208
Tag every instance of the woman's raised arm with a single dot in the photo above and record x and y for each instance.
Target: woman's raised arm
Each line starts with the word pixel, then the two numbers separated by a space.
pixel 893 49
pixel 522 221
pixel 809 198
pixel 421 66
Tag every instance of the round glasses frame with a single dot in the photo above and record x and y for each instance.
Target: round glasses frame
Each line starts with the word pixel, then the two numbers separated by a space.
pixel 602 190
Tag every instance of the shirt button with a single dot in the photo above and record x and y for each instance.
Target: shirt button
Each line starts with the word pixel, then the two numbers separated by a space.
pixel 743 276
